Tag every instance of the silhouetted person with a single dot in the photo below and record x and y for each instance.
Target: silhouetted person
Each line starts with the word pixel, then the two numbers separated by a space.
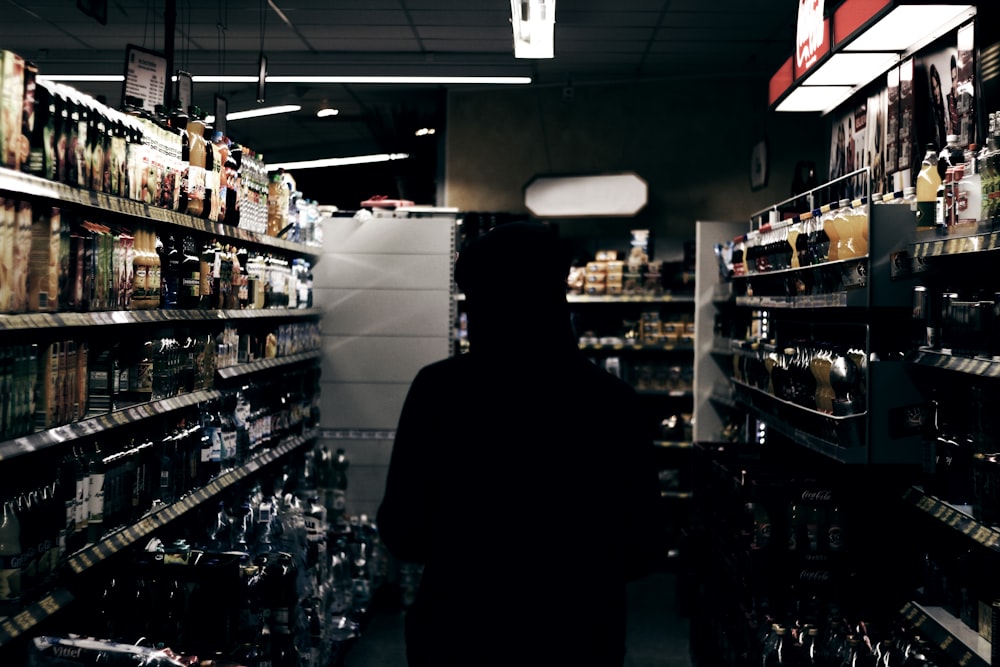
pixel 522 477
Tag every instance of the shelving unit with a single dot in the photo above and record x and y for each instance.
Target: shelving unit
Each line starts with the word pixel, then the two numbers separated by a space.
pixel 954 507
pixel 645 364
pixel 104 324
pixel 764 458
pixel 104 204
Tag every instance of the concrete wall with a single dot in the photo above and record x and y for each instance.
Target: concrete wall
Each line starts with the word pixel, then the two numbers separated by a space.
pixel 691 141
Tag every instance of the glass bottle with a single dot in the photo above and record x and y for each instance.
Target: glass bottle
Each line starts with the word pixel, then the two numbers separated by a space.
pixel 196 163
pixel 10 557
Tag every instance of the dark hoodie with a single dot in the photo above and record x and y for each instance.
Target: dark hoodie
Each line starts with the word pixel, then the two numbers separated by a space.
pixel 520 477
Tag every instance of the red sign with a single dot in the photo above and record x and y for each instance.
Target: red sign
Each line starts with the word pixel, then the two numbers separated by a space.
pixel 812 36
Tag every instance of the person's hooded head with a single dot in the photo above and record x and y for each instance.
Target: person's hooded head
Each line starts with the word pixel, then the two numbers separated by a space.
pixel 514 281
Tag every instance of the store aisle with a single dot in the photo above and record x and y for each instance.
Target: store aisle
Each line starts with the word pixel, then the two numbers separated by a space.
pixel 657 632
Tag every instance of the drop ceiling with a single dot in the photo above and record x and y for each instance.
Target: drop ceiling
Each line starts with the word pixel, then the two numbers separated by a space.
pixel 595 41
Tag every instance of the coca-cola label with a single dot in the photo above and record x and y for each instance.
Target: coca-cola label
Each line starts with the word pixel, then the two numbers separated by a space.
pixel 811 40
pixel 815 575
pixel 817 496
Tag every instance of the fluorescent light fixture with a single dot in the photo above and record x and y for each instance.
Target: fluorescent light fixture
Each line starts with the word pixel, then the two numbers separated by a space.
pixel 814 98
pixel 502 80
pixel 254 113
pixel 851 69
pixel 533 22
pixel 337 161
pixel 88 78
pixel 323 113
pixel 263 111
pixel 424 131
pixel 909 27
pixel 219 78
pixel 212 78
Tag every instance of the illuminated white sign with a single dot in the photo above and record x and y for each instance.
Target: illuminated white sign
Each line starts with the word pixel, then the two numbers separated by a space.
pixel 810 34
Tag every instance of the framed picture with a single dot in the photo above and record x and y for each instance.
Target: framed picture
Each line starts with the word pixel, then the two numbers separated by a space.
pixel 759 165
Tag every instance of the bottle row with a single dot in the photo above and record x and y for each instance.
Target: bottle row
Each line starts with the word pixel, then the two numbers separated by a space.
pixel 812 374
pixel 44 385
pixel 108 482
pixel 957 186
pixel 177 162
pixel 53 260
pixel 827 234
pixel 269 575
pixel 843 643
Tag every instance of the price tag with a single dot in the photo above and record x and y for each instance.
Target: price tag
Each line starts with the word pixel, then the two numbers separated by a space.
pixel 965 659
pixel 120 540
pixel 48 605
pixel 982 535
pixel 86 560
pixel 946 642
pixel 25 620
pixel 940 511
pixel 9 628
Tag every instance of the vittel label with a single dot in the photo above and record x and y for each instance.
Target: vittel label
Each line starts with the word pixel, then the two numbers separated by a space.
pixel 810 35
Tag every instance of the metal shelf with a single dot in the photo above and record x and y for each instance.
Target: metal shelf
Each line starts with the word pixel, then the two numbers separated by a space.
pixel 630 298
pixel 975 239
pixel 41 440
pixel 954 517
pixel 128 536
pixel 112 317
pixel 35 442
pixel 637 347
pixel 978 366
pixel 241 370
pixel 849 299
pixel 961 643
pixel 60 193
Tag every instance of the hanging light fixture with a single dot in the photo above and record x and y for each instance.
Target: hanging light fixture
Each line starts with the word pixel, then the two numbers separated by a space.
pixel 533 22
pixel 837 55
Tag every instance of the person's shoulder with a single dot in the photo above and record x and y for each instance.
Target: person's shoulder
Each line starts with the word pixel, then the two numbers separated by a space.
pixel 443 368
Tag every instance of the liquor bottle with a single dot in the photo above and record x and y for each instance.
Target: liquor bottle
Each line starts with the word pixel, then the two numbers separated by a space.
pixel 170 253
pixel 154 249
pixel 208 268
pixel 10 560
pixel 196 163
pixel 210 207
pixel 95 506
pixel 970 196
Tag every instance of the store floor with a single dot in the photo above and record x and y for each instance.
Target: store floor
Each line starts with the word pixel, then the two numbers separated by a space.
pixel 657 631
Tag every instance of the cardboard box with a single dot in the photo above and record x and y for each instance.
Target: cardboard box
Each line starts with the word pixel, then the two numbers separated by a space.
pixel 43 267
pixel 13 144
pixel 8 225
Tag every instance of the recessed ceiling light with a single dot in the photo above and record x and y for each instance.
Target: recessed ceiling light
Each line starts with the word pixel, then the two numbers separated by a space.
pixel 337 161
pixel 323 113
pixel 254 113
pixel 424 131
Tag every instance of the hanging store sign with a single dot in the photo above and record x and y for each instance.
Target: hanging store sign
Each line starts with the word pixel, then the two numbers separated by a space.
pixel 601 195
pixel 812 38
pixel 145 78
